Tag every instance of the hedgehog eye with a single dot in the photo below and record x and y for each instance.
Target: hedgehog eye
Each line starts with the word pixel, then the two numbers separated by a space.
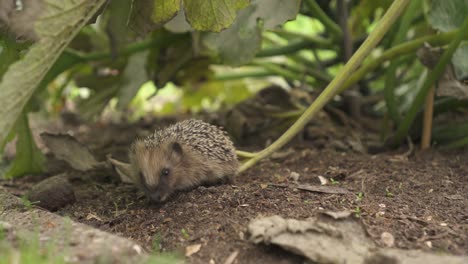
pixel 165 172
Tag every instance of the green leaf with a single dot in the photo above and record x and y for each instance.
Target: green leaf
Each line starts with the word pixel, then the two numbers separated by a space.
pixel 276 12
pixel 8 53
pixel 447 15
pixel 239 43
pixel 134 75
pixel 56 27
pixel 148 15
pixel 460 61
pixel 114 20
pixel 212 15
pixel 29 159
pixel 165 10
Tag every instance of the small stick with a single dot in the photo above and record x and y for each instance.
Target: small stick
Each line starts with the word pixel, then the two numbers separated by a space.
pixel 427 121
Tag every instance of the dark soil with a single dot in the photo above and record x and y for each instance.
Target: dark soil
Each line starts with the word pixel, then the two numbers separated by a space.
pixel 421 199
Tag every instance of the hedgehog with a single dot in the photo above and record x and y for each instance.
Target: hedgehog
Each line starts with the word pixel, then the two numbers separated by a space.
pixel 181 157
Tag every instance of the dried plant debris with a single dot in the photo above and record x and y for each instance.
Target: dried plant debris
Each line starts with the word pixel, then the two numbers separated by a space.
pixel 121 168
pixel 323 240
pixel 68 149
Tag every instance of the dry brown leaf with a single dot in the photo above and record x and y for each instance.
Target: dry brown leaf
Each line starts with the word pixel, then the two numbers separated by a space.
pixel 190 250
pixel 68 149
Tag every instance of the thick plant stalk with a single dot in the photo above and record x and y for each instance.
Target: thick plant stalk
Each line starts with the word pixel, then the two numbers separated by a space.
pixel 374 38
pixel 427 120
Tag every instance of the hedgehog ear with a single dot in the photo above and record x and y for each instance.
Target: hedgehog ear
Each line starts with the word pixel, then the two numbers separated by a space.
pixel 177 151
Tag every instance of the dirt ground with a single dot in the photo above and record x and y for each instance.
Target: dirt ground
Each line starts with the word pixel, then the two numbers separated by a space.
pixel 420 198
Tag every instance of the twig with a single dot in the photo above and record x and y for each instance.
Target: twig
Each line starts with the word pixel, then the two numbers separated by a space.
pixel 427 121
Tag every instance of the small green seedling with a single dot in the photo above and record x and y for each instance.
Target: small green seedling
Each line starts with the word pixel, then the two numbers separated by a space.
pixel 333 181
pixel 26 203
pixel 185 233
pixel 359 196
pixel 357 212
pixel 157 242
pixel 388 193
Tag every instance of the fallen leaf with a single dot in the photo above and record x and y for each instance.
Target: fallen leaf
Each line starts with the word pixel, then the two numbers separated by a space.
pixel 93 216
pixel 232 257
pixel 190 250
pixel 263 185
pixel 321 189
pixel 387 239
pixel 454 197
pixel 323 180
pixel 294 176
pixel 338 215
pixel 123 169
pixel 67 148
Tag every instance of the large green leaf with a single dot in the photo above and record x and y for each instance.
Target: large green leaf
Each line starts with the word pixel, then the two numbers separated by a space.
pixel 276 12
pixel 460 61
pixel 114 20
pixel 29 159
pixel 165 10
pixel 57 25
pixel 239 43
pixel 447 15
pixel 134 75
pixel 212 15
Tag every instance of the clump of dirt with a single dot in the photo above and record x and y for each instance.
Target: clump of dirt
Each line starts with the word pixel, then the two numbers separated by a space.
pixel 420 199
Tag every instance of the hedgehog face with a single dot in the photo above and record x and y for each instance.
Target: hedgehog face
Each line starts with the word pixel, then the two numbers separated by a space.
pixel 156 169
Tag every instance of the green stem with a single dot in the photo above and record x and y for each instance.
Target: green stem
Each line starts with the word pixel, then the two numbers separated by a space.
pixel 284 50
pixel 284 72
pixel 457 143
pixel 288 114
pixel 313 69
pixel 405 48
pixel 390 80
pixel 329 24
pixel 245 154
pixel 432 77
pixel 374 38
pixel 130 49
pixel 226 76
pixel 318 42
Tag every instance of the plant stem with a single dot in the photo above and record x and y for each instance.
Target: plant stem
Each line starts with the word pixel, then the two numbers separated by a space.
pixel 283 50
pixel 390 76
pixel 374 38
pixel 457 143
pixel 318 42
pixel 406 48
pixel 130 49
pixel 329 24
pixel 245 154
pixel 247 74
pixel 432 77
pixel 427 121
pixel 284 72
